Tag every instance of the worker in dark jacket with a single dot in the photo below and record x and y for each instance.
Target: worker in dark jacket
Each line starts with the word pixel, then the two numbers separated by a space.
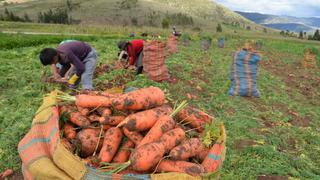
pixel 77 54
pixel 132 52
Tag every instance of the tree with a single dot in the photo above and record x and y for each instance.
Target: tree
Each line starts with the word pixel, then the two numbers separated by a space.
pixel 301 35
pixel 26 18
pixel 69 5
pixel 316 35
pixel 219 28
pixel 265 30
pixel 287 32
pixel 282 33
pixel 165 23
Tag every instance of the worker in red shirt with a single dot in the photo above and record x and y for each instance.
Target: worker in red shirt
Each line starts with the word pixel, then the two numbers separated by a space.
pixel 132 52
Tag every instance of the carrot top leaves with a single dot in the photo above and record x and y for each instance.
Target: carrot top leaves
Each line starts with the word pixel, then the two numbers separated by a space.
pixel 212 133
pixel 182 105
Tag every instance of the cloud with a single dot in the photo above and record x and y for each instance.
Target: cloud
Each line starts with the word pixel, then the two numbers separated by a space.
pixel 305 8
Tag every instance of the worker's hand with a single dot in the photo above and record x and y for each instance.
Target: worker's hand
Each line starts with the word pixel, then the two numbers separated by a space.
pixel 73 79
pixel 61 80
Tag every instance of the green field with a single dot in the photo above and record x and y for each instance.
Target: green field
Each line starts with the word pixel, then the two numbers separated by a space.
pixel 277 134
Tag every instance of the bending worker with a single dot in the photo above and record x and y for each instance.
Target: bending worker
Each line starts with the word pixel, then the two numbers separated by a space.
pixel 132 52
pixel 79 55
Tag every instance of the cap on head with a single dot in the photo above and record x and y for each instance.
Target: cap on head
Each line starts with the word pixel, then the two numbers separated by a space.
pixel 47 56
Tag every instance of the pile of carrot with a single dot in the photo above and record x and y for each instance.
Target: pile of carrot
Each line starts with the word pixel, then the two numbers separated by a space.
pixel 136 132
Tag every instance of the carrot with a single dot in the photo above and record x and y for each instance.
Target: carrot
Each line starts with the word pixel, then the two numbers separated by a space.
pixel 180 167
pixel 195 117
pixel 111 142
pixel 123 152
pixel 89 139
pixel 92 161
pixel 187 149
pixel 213 160
pixel 104 112
pixel 134 136
pixel 147 156
pixel 202 155
pixel 172 138
pixel 140 99
pixel 111 120
pixel 79 120
pixel 164 124
pixel 6 173
pixel 69 131
pixel 93 101
pixel 144 120
pixel 70 147
pixel 192 114
pixel 106 127
pixel 83 111
pixel 93 118
pixel 65 109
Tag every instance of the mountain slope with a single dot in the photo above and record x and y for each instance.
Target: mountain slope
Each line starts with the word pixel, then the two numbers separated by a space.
pixel 283 22
pixel 125 12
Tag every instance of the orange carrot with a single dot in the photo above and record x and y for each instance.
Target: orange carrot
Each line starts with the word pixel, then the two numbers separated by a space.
pixel 92 161
pixel 187 149
pixel 195 117
pixel 93 101
pixel 172 138
pixel 89 139
pixel 213 160
pixel 144 120
pixel 65 109
pixel 140 99
pixel 147 156
pixel 202 155
pixel 164 124
pixel 69 131
pixel 111 120
pixel 106 127
pixel 104 112
pixel 180 167
pixel 145 98
pixel 79 120
pixel 111 142
pixel 83 111
pixel 134 136
pixel 93 118
pixel 68 145
pixel 123 153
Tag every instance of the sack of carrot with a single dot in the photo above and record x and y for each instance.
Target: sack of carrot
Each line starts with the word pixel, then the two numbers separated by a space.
pixel 137 132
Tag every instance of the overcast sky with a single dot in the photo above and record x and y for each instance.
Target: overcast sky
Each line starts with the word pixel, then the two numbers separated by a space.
pixel 300 8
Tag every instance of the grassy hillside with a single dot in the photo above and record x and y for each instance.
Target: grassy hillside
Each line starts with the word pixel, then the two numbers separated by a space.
pixel 205 13
pixel 275 135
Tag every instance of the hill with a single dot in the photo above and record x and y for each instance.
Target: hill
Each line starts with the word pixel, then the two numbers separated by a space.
pixel 283 22
pixel 289 26
pixel 204 13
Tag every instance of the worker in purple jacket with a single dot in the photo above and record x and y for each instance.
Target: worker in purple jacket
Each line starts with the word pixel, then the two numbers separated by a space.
pixel 76 54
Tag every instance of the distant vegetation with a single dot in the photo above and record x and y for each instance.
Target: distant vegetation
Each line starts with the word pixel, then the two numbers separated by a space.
pixel 56 16
pixel 10 16
pixel 128 4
